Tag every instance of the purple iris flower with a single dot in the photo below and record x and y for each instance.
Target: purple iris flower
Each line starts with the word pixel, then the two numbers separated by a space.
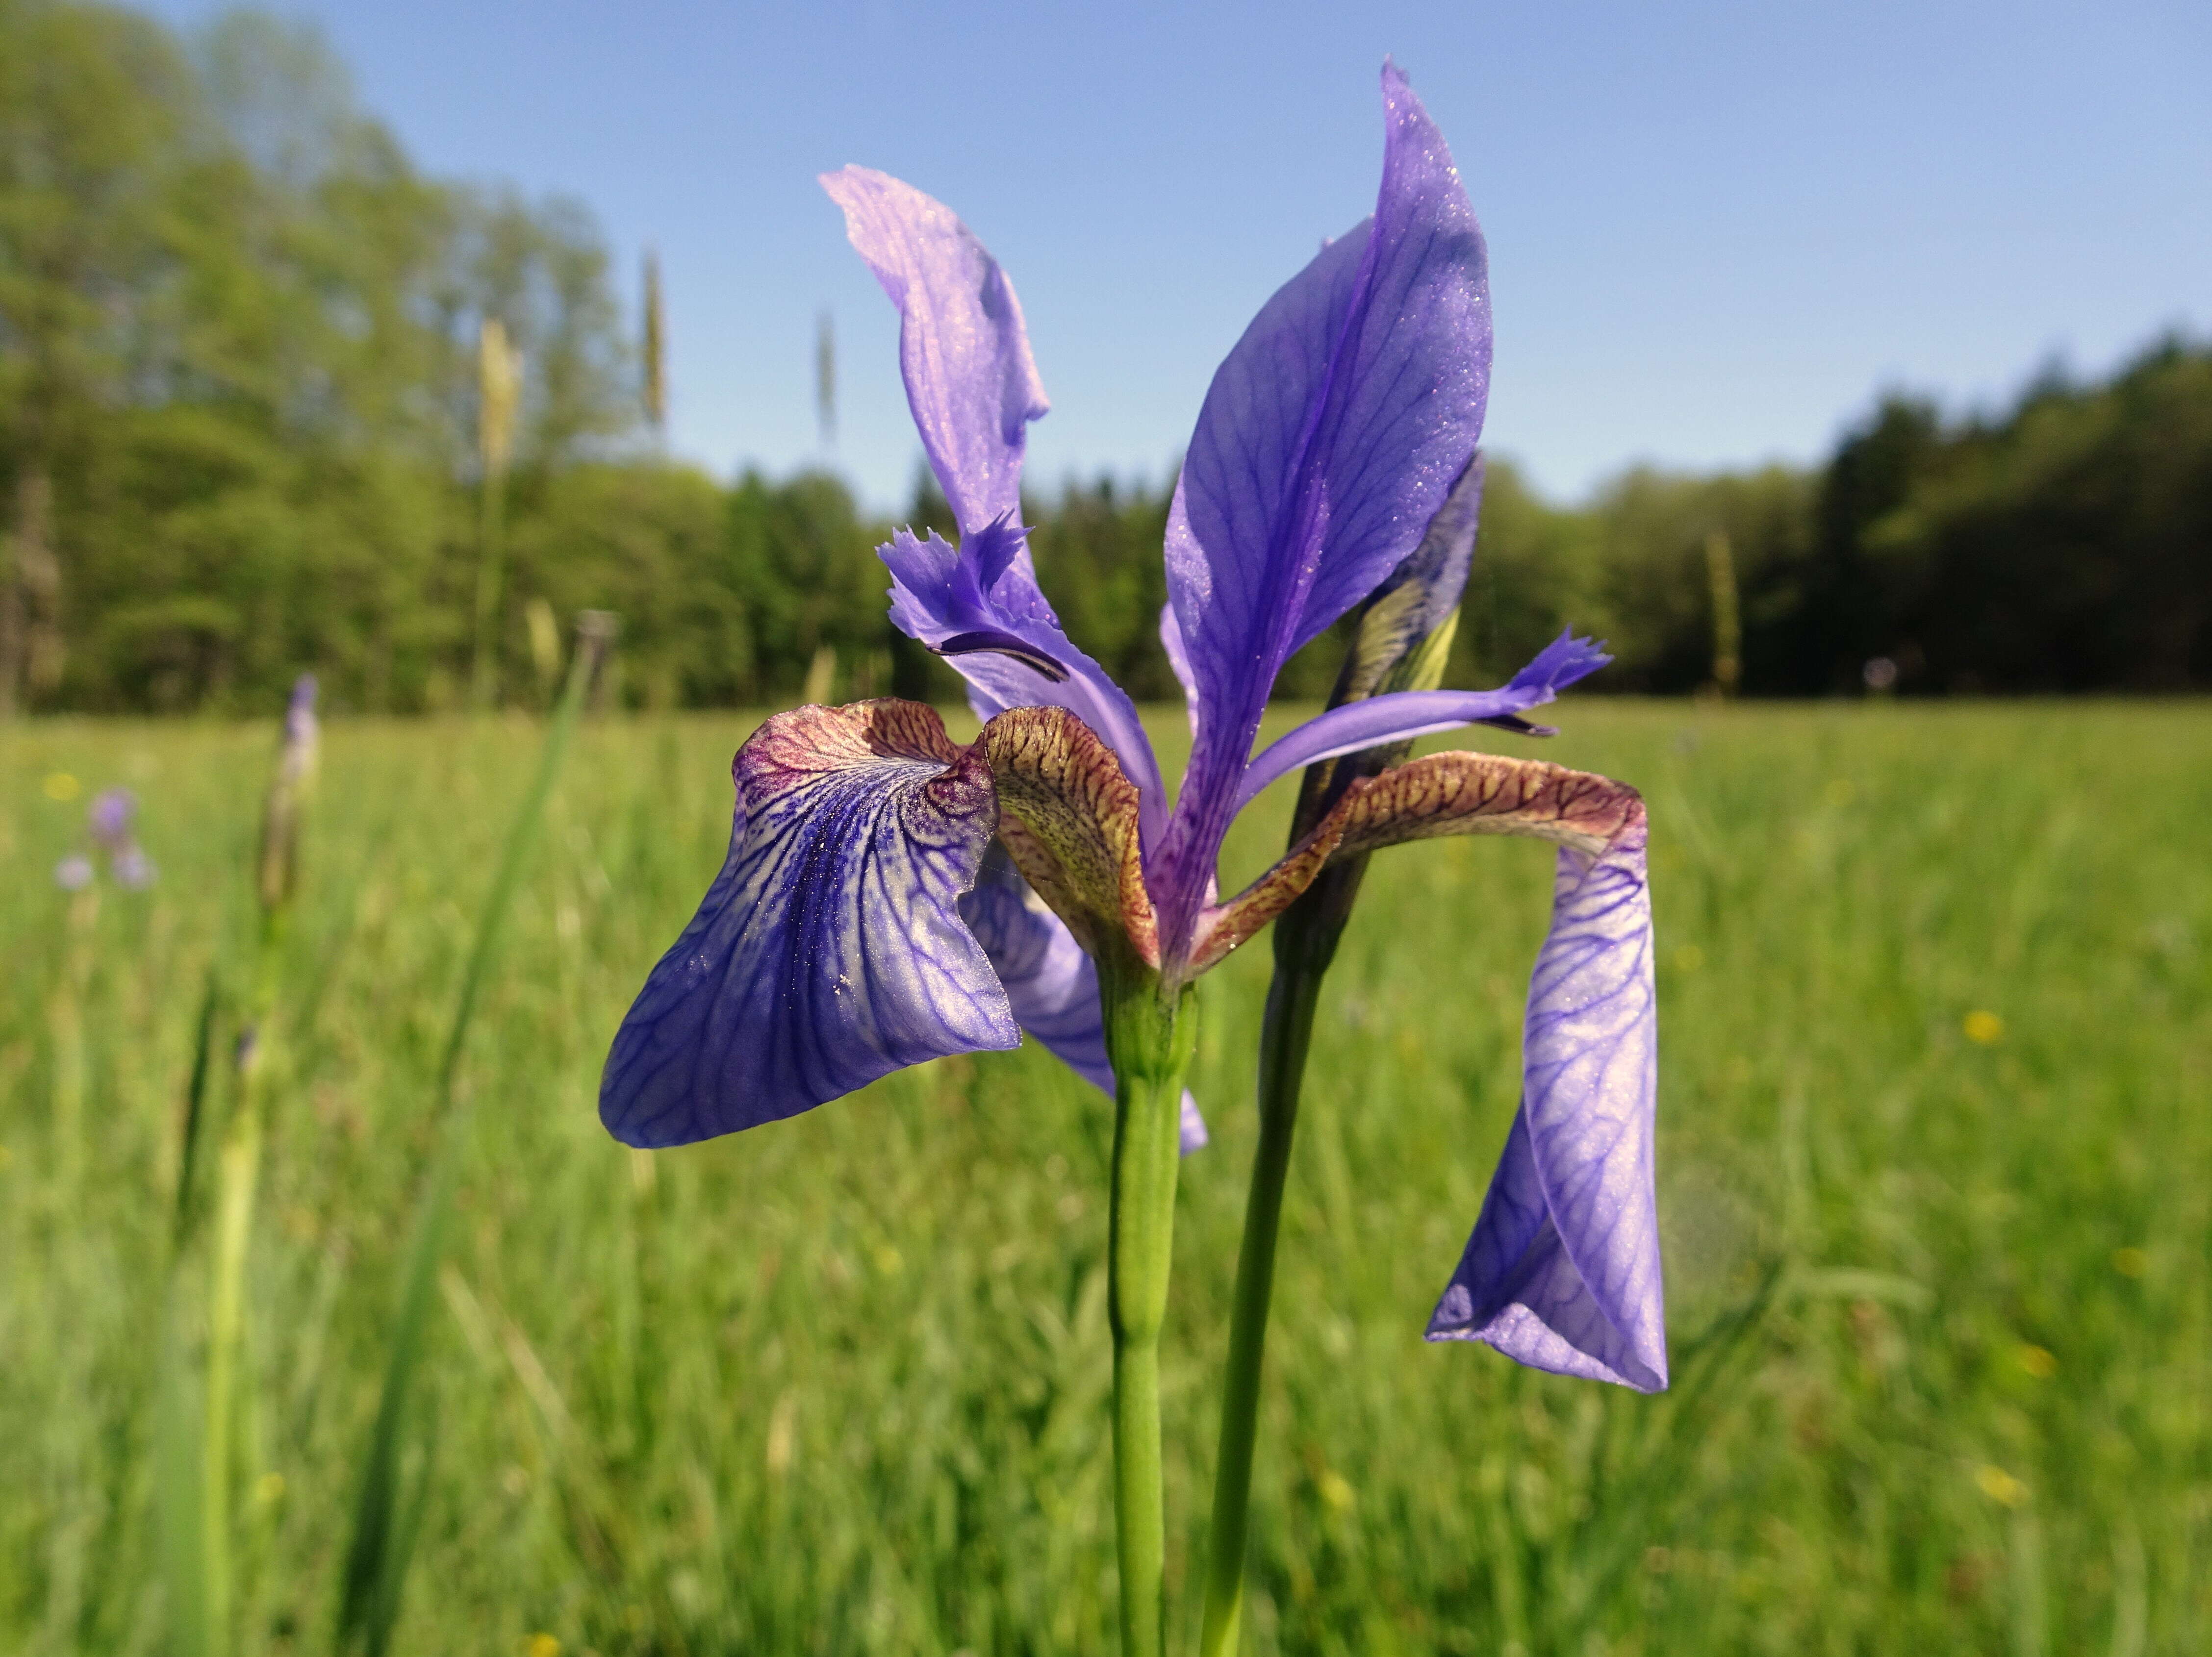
pixel 108 823
pixel 889 897
pixel 110 816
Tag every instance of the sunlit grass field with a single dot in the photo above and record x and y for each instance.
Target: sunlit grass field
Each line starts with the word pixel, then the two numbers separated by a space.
pixel 1935 1173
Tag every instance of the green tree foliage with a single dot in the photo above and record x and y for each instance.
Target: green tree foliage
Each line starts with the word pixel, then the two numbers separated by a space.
pixel 237 438
pixel 2068 547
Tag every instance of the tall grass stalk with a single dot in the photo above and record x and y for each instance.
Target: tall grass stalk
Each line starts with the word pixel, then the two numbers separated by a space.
pixel 499 390
pixel 200 1564
pixel 387 1511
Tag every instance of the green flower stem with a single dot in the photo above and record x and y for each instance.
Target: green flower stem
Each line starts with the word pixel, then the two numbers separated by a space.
pixel 1150 1033
pixel 1305 941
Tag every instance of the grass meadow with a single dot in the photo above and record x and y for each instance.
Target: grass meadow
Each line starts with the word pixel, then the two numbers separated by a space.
pixel 1935 1175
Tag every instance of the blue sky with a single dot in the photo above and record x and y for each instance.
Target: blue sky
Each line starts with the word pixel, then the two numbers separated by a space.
pixel 1715 231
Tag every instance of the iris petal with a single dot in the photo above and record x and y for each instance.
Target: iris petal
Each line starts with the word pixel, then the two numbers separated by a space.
pixel 1562 1271
pixel 1068 815
pixel 1330 437
pixel 1179 663
pixel 1415 610
pixel 1405 713
pixel 829 951
pixel 1453 794
pixel 1000 636
pixel 1050 982
pixel 963 350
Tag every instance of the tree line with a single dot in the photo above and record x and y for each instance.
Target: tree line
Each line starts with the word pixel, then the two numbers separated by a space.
pixel 240 391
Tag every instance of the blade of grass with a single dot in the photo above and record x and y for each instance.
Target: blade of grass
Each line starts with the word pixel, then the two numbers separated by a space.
pixel 195 1122
pixel 387 1517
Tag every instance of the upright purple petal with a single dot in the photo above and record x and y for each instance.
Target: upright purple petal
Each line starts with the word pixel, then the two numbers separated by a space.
pixel 829 951
pixel 1330 437
pixel 1417 600
pixel 1179 663
pixel 1402 715
pixel 1050 982
pixel 964 354
pixel 998 633
pixel 1563 1269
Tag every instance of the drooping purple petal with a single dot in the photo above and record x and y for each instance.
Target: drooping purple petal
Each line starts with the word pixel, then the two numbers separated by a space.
pixel 963 350
pixel 829 951
pixel 998 633
pixel 1330 437
pixel 1406 714
pixel 1051 984
pixel 1563 1269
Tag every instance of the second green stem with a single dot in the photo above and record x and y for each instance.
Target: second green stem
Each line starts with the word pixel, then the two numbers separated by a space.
pixel 1305 941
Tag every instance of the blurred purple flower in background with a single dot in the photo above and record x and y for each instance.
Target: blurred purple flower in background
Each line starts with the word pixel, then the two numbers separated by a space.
pixel 863 921
pixel 109 823
pixel 132 869
pixel 110 816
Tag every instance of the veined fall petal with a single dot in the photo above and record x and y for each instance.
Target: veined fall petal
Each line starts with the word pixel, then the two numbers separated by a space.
pixel 829 951
pixel 1563 1270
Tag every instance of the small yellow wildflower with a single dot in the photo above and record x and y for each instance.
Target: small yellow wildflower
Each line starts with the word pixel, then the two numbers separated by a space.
pixel 1688 958
pixel 62 785
pixel 268 1489
pixel 2037 1361
pixel 2130 1262
pixel 782 1423
pixel 1337 1491
pixel 1982 1028
pixel 544 1644
pixel 2000 1486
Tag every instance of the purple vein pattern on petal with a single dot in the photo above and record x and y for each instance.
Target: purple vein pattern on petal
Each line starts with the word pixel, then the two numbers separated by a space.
pixel 829 951
pixel 988 586
pixel 1402 713
pixel 964 354
pixel 1330 437
pixel 1562 1271
pixel 1051 984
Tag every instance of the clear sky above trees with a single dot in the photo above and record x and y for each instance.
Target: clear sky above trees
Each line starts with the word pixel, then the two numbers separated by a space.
pixel 1717 230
